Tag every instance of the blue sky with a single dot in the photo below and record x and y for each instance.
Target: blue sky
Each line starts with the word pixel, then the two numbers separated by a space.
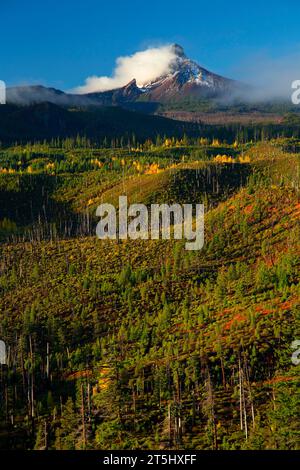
pixel 60 43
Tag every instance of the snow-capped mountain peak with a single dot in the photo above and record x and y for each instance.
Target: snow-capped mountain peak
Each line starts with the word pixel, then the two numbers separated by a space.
pixel 186 77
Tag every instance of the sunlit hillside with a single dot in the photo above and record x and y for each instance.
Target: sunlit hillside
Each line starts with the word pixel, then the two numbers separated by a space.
pixel 142 344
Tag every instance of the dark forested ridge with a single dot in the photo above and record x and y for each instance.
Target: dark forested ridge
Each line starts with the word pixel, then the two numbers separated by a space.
pixel 47 121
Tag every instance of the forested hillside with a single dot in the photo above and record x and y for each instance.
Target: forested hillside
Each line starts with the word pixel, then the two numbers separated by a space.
pixel 142 344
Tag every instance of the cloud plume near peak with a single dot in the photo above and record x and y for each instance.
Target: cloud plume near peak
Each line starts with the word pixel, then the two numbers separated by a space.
pixel 144 66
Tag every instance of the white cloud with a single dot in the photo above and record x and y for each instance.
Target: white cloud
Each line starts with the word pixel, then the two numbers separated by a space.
pixel 271 77
pixel 144 66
